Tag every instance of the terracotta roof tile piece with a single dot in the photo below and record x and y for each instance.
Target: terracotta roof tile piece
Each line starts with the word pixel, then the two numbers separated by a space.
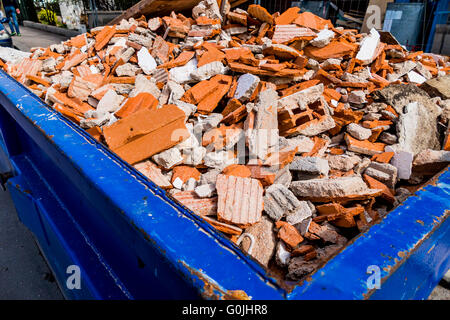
pixel 240 200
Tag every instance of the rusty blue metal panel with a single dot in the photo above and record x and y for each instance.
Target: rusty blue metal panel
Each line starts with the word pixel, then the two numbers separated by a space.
pixel 89 208
pixel 126 229
pixel 411 247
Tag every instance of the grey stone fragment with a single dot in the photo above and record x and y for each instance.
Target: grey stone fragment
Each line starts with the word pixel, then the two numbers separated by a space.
pixel 388 138
pixel 206 190
pixel 142 84
pixel 265 241
pixel 284 177
pixel 49 65
pixel 299 267
pixel 93 122
pixel 438 87
pixel 402 194
pixel 304 144
pixel 219 160
pixel 400 95
pixel 283 256
pixel 357 97
pixel 342 162
pixel 127 69
pixel 168 158
pixel 210 177
pixel 330 188
pixel 383 172
pixel 310 165
pixel 304 211
pixel 278 201
pixel 363 165
pixel 190 185
pixel 402 160
pixel 401 69
pixel 359 132
pixel 246 85
pixel 417 129
pixel 110 102
pixel 429 162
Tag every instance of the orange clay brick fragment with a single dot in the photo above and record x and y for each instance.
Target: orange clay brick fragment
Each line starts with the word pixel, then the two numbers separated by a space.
pixel 142 101
pixel 81 88
pixel 364 147
pixel 384 157
pixel 211 55
pixel 199 92
pixel 281 158
pixel 288 16
pixel 201 207
pixel 237 114
pixel 103 37
pixel 152 172
pixel 209 103
pixel 180 61
pixel 146 133
pixel 237 170
pixel 262 174
pixel 387 193
pixel 79 41
pixel 336 49
pixel 38 80
pixel 289 234
pixel 74 60
pixel 73 103
pixel 223 227
pixel 336 151
pixel 184 173
pixel 69 113
pixel 96 133
pixel 310 20
pixel 290 33
pixel 340 216
pixel 446 146
pixel 240 200
pixel 260 13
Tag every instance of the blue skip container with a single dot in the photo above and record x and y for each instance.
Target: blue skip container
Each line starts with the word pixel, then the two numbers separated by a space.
pixel 92 212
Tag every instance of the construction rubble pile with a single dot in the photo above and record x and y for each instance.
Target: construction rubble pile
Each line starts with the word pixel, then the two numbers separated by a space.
pixel 288 135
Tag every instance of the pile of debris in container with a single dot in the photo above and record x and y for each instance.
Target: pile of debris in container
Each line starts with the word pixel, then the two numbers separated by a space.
pixel 285 133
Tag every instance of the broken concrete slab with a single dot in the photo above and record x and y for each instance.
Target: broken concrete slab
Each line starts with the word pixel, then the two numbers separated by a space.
pixel 279 201
pixel 264 241
pixel 438 87
pixel 417 129
pixel 310 165
pixel 340 189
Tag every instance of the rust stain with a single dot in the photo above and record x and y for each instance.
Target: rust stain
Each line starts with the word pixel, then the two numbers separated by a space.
pixel 212 290
pixel 420 222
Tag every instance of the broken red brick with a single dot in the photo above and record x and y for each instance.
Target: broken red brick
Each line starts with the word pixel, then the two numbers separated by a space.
pixel 200 206
pixel 184 173
pixel 289 234
pixel 141 101
pixel 146 133
pixel 240 200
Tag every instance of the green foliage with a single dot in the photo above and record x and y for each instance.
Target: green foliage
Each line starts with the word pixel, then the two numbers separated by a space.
pixel 49 17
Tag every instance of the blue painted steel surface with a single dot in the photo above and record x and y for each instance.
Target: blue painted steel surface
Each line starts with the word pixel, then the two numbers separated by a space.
pixel 440 17
pixel 87 207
